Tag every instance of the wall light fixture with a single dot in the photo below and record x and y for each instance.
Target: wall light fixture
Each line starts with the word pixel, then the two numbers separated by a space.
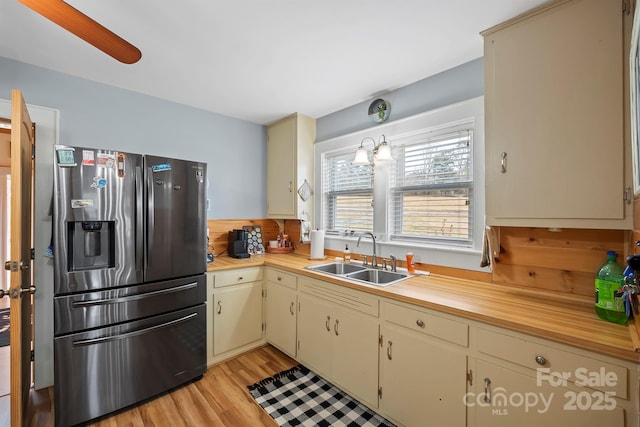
pixel 381 151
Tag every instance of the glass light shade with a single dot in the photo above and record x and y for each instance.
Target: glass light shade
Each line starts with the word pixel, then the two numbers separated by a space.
pixel 362 158
pixel 384 152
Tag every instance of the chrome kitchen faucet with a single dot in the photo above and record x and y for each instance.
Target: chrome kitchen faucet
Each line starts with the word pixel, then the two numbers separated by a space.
pixel 374 260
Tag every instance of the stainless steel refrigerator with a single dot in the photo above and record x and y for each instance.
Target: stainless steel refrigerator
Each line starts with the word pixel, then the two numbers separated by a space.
pixel 129 279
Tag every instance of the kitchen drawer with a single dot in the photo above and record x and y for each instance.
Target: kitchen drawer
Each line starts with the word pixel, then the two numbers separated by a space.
pixel 286 279
pixel 583 370
pixel 426 323
pixel 236 276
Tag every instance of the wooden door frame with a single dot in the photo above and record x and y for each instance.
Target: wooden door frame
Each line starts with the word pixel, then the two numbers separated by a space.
pixel 48 120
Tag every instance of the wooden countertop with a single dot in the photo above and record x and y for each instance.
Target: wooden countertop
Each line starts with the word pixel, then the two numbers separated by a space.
pixel 565 319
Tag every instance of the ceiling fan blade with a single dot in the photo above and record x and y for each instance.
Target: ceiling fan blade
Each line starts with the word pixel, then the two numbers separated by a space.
pixel 86 28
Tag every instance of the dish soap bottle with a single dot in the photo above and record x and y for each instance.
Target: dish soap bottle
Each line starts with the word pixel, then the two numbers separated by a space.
pixel 346 254
pixel 609 302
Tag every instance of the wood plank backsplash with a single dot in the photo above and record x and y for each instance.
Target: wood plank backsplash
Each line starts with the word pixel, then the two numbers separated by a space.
pixel 565 261
pixel 219 231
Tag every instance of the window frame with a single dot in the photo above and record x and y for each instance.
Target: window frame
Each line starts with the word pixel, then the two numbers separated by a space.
pixel 429 252
pixel 395 190
pixel 329 217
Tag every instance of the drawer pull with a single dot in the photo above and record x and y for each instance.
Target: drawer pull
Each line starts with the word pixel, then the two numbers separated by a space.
pixel 326 324
pixel 487 390
pixel 541 360
pixel 389 344
pixel 240 278
pixel 335 327
pixel 420 323
pixel 291 308
pixel 279 279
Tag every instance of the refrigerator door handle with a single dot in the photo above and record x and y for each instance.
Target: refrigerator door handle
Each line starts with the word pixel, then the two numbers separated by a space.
pixel 106 301
pixel 132 334
pixel 150 216
pixel 139 239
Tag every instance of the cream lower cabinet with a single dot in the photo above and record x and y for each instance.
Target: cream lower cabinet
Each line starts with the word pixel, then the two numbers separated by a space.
pixel 338 342
pixel 423 367
pixel 281 309
pixel 505 397
pixel 523 381
pixel 235 305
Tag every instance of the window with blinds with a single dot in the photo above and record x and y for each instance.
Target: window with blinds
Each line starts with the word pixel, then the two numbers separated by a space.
pixel 348 194
pixel 432 189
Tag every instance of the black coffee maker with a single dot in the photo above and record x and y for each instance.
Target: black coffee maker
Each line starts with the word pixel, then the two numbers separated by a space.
pixel 238 244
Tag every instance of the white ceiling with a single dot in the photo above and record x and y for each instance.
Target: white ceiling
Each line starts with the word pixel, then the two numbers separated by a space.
pixel 260 60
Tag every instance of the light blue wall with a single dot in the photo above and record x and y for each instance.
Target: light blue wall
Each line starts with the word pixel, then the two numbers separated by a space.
pixel 449 87
pixel 102 116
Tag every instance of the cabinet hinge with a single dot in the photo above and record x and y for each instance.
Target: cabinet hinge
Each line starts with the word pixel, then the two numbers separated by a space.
pixel 470 377
pixel 33 355
pixel 298 345
pixel 379 392
pixel 380 340
pixel 33 253
pixel 626 7
pixel 264 326
pixel 628 195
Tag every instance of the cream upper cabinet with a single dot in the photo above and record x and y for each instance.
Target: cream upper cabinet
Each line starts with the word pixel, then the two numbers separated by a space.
pixel 289 164
pixel 556 147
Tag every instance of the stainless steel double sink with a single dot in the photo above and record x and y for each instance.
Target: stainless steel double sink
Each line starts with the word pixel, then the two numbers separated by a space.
pixel 368 275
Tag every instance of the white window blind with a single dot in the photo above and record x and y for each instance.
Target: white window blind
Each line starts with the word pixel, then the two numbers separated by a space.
pixel 432 189
pixel 348 194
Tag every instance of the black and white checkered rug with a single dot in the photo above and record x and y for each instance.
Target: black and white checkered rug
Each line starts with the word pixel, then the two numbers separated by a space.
pixel 298 397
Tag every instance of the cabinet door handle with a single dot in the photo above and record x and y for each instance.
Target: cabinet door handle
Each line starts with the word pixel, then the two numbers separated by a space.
pixel 487 390
pixel 326 324
pixel 335 327
pixel 291 308
pixel 219 307
pixel 503 162
pixel 389 344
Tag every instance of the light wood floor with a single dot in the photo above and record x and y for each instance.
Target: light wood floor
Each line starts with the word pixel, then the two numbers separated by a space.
pixel 220 398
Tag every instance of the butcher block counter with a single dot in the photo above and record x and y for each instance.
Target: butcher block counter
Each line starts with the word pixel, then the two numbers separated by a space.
pixel 565 319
